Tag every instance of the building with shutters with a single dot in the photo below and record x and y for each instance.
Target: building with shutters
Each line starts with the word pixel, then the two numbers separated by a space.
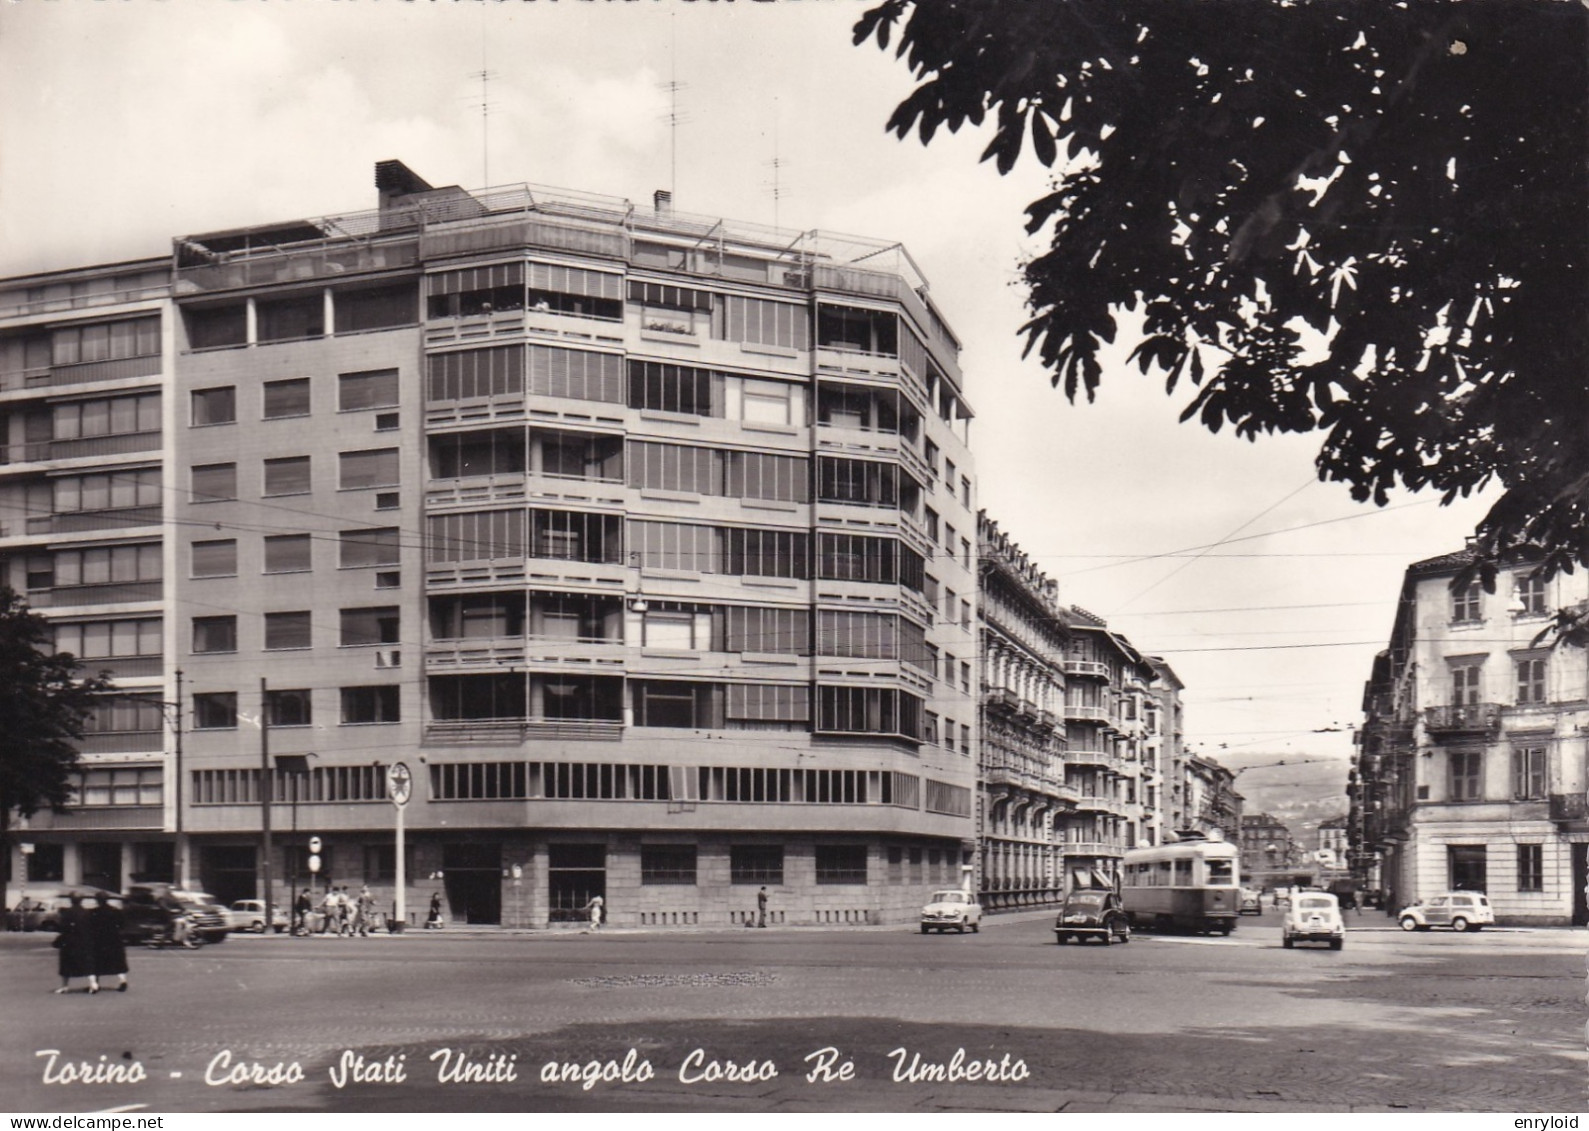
pixel 1470 774
pixel 644 539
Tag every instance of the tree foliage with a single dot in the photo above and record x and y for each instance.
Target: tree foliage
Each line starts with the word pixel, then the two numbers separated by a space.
pixel 44 700
pixel 1369 220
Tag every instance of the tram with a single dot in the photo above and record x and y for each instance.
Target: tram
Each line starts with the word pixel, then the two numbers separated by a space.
pixel 1188 885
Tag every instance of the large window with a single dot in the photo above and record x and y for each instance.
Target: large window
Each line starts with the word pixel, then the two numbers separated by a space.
pixel 290 319
pixel 215 558
pixel 763 322
pixel 112 416
pixel 286 398
pixel 215 634
pixel 858 482
pixel 575 536
pixel 477 616
pixel 857 328
pixel 289 475
pixel 667 864
pixel 1528 773
pixel 755 864
pixel 472 374
pixel 104 565
pixel 661 387
pixel 215 710
pixel 375 389
pixel 375 467
pixel 124 714
pixel 868 710
pixel 1467 684
pixel 110 639
pixel 217 326
pixel 288 630
pixel 121 786
pixel 376 308
pixel 105 341
pixel 574 290
pixel 858 557
pixel 215 406
pixel 1468 867
pixel 677 703
pixel 1467 603
pixel 841 863
pixel 288 553
pixel 583 375
pixel 1530 591
pixel 137 487
pixel 757 628
pixel 378 704
pixel 288 708
pixel 214 482
pixel 1467 778
pixel 382 625
pixel 376 546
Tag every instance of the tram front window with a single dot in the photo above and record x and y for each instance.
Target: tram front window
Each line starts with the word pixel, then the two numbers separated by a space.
pixel 1220 873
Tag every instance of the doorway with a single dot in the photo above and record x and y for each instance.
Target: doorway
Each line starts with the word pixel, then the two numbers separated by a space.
pixel 1580 877
pixel 577 873
pixel 472 876
pixel 229 872
pixel 101 865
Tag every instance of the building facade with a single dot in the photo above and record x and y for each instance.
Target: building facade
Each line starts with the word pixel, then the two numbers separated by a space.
pixel 1470 772
pixel 1024 798
pixel 1210 798
pixel 1270 855
pixel 643 540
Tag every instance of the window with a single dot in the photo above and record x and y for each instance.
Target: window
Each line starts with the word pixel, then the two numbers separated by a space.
pixel 115 416
pixel 859 482
pixel 677 703
pixel 667 864
pixel 768 402
pixel 376 308
pixel 122 786
pixel 290 319
pixel 1467 867
pixel 380 625
pixel 965 739
pixel 376 546
pixel 659 387
pixel 1528 773
pixel 965 491
pixel 107 640
pixel 930 521
pixel 286 398
pixel 1530 682
pixel 1530 589
pixel 287 476
pixel 99 565
pixel 215 634
pixel 123 714
pixel 379 704
pixel 214 482
pixel 287 708
pixel 1466 684
pixel 762 322
pixel 857 557
pixel 1466 606
pixel 376 467
pixel 287 553
pixel 950 537
pixel 105 341
pixel 965 676
pixel 138 487
pixel 868 710
pixel 468 374
pixel 375 389
pixel 755 863
pixel 1466 775
pixel 215 327
pixel 1530 867
pixel 215 406
pixel 574 291
pixel 965 553
pixel 215 559
pixel 965 614
pixel 930 453
pixel 841 863
pixel 215 710
pixel 287 630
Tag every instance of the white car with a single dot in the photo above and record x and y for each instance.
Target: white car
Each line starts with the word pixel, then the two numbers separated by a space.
pixel 249 915
pixel 1314 916
pixel 957 909
pixel 1459 910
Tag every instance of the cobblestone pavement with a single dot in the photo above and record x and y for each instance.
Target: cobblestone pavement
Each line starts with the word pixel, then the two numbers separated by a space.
pixel 1441 1022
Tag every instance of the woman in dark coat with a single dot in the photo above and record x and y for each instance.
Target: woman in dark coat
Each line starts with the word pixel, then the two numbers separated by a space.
pixel 104 930
pixel 76 946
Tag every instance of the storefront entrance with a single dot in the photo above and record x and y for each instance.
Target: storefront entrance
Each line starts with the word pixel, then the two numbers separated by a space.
pixel 472 875
pixel 229 872
pixel 577 873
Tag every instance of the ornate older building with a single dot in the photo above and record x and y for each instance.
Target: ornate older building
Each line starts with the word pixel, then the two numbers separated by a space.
pixel 1024 633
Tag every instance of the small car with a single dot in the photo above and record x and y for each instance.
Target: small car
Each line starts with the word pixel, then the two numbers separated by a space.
pixel 150 912
pixel 1251 903
pixel 1459 910
pixel 249 915
pixel 1314 916
pixel 957 909
pixel 1092 914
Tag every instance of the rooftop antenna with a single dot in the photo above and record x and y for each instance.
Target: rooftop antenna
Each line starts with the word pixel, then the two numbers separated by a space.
pixel 674 118
pixel 776 164
pixel 485 76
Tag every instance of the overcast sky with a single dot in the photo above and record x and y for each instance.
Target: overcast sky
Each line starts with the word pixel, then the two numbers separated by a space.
pixel 124 124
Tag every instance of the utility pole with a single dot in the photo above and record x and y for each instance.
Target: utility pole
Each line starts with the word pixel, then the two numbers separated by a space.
pixel 176 788
pixel 267 782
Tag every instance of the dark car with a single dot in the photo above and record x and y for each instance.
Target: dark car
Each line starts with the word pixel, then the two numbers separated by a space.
pixel 1092 914
pixel 158 912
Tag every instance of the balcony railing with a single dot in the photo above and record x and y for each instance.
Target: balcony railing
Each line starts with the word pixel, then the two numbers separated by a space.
pixel 112 594
pixel 1089 713
pixel 1095 669
pixel 1462 718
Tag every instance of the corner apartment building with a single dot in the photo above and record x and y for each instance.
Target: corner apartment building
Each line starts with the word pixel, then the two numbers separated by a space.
pixel 1471 769
pixel 1024 792
pixel 85 468
pixel 643 539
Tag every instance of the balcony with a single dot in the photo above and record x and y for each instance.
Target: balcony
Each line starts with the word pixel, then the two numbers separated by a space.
pixel 1100 713
pixel 1082 756
pixel 1464 718
pixel 1090 848
pixel 463 732
pixel 1091 669
pixel 1569 808
pixel 1002 698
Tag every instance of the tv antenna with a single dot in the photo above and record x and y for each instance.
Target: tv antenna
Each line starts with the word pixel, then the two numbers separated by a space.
pixel 776 164
pixel 485 75
pixel 673 117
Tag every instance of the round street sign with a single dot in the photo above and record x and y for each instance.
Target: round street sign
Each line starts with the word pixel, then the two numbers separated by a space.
pixel 399 784
pixel 314 844
pixel 314 864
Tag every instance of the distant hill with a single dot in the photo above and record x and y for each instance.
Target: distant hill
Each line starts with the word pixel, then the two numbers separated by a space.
pixel 1301 794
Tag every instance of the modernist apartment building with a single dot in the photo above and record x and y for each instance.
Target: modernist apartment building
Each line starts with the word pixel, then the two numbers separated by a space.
pixel 1025 797
pixel 1471 769
pixel 644 540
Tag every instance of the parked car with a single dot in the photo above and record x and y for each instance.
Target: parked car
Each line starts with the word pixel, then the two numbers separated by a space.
pixel 1092 914
pixel 957 909
pixel 1251 902
pixel 151 912
pixel 1314 916
pixel 1459 910
pixel 249 915
pixel 36 913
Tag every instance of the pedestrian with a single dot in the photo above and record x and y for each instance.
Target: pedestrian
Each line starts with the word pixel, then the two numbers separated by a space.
pixel 300 913
pixel 761 906
pixel 366 911
pixel 328 911
pixel 344 912
pixel 104 931
pixel 597 911
pixel 433 920
pixel 76 946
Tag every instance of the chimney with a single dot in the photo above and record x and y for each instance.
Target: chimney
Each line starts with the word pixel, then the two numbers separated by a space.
pixel 394 179
pixel 662 202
